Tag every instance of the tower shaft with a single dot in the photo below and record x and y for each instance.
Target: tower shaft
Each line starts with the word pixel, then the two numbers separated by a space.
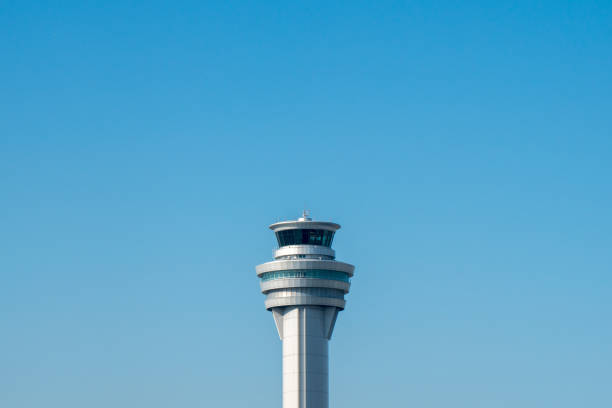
pixel 304 332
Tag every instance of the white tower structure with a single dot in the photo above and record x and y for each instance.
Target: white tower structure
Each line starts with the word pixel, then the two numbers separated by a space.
pixel 305 288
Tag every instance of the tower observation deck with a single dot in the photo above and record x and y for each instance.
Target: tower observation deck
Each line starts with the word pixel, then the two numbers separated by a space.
pixel 305 288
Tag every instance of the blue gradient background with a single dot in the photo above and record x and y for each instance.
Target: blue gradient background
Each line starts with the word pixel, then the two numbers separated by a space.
pixel 465 147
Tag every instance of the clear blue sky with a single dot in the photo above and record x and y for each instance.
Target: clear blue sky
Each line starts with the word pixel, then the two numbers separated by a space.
pixel 465 147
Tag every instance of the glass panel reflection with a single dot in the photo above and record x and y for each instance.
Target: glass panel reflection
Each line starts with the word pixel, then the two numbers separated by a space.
pixel 305 237
pixel 306 273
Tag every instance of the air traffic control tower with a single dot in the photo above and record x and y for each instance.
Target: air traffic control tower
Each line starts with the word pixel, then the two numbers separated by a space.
pixel 305 288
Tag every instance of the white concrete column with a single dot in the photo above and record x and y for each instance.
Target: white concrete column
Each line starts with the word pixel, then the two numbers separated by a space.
pixel 305 333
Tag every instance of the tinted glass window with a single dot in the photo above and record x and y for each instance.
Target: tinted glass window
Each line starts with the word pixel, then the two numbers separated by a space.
pixel 305 237
pixel 328 236
pixel 306 273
